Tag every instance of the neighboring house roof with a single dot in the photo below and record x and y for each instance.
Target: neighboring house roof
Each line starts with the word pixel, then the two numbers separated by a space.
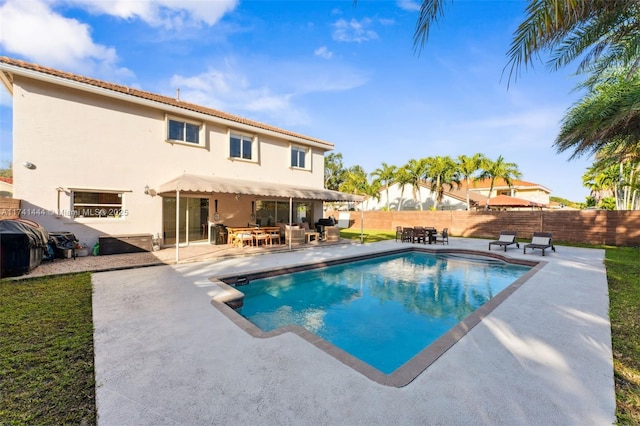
pixel 10 66
pixel 502 184
pixel 506 201
pixel 6 180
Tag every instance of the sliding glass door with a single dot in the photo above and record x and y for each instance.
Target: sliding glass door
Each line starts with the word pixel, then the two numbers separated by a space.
pixel 269 213
pixel 194 215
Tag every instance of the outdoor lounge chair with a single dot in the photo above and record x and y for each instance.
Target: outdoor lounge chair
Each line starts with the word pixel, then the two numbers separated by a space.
pixel 540 240
pixel 506 239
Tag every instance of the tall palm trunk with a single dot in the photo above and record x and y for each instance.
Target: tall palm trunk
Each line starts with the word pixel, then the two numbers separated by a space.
pixel 486 205
pixel 468 199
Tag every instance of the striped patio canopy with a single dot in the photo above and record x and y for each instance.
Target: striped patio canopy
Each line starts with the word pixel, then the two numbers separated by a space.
pixel 214 184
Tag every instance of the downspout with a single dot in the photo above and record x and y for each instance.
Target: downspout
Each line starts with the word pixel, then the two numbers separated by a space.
pixel 290 219
pixel 177 225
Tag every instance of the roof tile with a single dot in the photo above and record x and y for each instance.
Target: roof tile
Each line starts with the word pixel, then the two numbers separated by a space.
pixel 155 97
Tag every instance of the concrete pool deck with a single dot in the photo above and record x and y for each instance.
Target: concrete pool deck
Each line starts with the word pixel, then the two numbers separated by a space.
pixel 165 356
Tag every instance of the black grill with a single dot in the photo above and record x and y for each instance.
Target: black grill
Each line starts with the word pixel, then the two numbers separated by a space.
pixel 321 223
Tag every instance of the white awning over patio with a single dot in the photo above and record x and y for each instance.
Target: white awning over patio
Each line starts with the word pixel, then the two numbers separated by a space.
pixel 211 184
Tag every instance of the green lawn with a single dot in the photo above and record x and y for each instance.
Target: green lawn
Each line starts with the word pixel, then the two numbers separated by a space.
pixel 46 343
pixel 46 351
pixel 623 274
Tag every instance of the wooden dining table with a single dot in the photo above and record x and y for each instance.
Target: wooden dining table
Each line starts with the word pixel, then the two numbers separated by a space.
pixel 234 234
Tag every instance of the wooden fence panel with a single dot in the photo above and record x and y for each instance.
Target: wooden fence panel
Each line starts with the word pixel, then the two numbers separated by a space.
pixel 9 208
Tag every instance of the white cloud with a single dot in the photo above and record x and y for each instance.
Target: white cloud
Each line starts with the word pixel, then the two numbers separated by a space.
pixel 229 90
pixel 34 30
pixel 353 30
pixel 409 5
pixel 169 14
pixel 530 119
pixel 31 29
pixel 273 93
pixel 323 52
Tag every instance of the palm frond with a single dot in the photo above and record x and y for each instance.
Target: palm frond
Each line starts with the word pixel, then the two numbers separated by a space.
pixel 430 12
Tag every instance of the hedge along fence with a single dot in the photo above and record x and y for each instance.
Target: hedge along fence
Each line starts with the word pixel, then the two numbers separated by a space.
pixel 617 228
pixel 9 208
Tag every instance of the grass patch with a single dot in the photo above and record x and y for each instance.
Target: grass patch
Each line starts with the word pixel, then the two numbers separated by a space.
pixel 370 235
pixel 623 275
pixel 46 351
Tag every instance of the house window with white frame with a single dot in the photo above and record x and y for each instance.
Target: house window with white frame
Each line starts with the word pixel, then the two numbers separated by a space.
pixel 299 157
pixel 241 146
pixel 183 131
pixel 97 204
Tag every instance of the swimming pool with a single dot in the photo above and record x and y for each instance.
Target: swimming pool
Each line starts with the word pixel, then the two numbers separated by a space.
pixel 383 311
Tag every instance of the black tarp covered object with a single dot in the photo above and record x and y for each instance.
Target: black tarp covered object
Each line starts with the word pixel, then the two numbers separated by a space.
pixel 22 245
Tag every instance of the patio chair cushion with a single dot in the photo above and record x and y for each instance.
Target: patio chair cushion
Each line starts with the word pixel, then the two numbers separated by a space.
pixel 540 240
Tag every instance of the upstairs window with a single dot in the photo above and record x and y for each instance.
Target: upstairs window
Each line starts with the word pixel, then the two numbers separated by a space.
pixel 241 146
pixel 188 132
pixel 299 157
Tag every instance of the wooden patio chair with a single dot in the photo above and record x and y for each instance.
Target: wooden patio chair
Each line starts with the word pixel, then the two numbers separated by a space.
pixel 442 237
pixel 398 233
pixel 407 235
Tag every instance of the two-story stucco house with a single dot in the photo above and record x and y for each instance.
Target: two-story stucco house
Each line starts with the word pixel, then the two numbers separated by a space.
pixel 94 158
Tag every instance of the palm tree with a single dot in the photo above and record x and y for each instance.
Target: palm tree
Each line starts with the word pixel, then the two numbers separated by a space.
pixel 372 191
pixel 417 170
pixel 355 181
pixel 493 170
pixel 442 171
pixel 468 166
pixel 402 178
pixel 606 117
pixel 609 174
pixel 385 177
pixel 601 32
pixel 603 182
pixel 334 171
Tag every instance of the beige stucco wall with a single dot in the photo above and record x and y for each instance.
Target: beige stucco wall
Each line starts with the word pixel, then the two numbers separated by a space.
pixel 77 139
pixel 406 200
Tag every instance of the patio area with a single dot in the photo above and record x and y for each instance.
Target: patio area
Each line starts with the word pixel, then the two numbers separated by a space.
pixel 166 256
pixel 165 355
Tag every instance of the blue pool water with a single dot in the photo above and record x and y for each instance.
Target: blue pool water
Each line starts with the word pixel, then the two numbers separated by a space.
pixel 382 310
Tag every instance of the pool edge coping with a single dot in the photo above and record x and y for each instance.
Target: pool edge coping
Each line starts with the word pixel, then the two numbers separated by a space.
pixel 411 369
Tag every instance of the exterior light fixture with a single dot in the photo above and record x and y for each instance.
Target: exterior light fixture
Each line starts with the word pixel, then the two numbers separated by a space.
pixel 216 215
pixel 149 191
pixel 29 165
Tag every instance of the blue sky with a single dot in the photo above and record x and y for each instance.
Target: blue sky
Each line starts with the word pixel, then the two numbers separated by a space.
pixel 344 73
